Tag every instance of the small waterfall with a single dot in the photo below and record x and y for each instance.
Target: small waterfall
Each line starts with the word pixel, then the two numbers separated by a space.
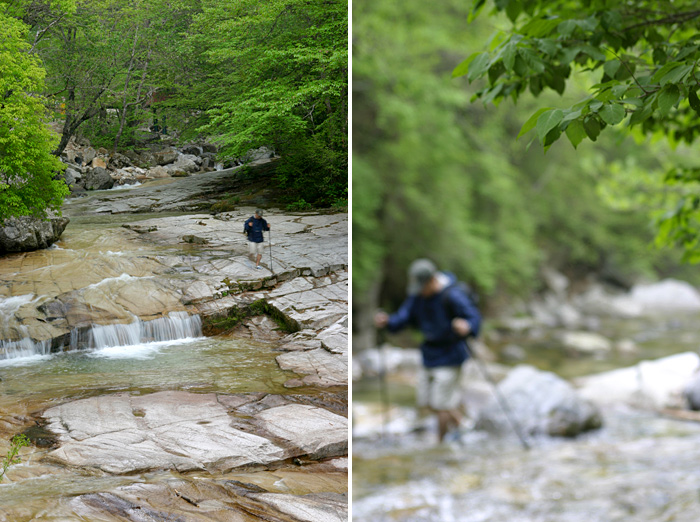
pixel 173 327
pixel 24 347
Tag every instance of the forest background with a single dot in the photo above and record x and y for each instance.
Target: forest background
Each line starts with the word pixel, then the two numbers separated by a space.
pixel 239 73
pixel 437 175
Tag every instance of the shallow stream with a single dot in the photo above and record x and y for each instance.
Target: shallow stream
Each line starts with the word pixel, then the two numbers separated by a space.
pixel 641 466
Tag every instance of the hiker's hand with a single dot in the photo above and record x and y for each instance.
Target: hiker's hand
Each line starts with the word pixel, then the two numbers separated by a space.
pixel 461 326
pixel 381 319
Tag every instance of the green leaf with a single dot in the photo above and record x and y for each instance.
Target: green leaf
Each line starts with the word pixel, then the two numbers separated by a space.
pixel 612 113
pixel 509 55
pixel 478 66
pixel 611 67
pixel 575 132
pixel 513 9
pixel 532 121
pixel 676 75
pixel 694 101
pixel 463 68
pixel 668 97
pixel 532 59
pixel 567 27
pixel 592 128
pixel 547 121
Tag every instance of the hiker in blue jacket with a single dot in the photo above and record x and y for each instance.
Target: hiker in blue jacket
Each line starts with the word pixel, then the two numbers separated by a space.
pixel 254 227
pixel 445 314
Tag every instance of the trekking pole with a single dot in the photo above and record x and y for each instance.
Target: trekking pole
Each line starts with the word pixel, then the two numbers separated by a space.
pixel 383 389
pixel 500 398
pixel 269 238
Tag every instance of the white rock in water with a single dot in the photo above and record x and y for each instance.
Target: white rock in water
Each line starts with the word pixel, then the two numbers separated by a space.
pixel 669 294
pixel 653 384
pixel 586 342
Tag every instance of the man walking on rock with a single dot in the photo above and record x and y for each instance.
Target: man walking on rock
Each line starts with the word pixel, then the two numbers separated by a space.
pixel 254 227
pixel 445 314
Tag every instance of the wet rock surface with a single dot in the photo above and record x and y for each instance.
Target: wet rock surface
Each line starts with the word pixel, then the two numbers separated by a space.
pixel 279 457
pixel 184 431
pixel 27 233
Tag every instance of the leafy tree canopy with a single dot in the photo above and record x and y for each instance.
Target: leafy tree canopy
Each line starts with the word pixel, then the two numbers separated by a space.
pixel 643 58
pixel 26 163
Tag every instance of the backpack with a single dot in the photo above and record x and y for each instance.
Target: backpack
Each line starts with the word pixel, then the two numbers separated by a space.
pixel 465 289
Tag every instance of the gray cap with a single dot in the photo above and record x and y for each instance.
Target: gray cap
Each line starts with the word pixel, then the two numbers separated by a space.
pixel 420 272
pixel 259 211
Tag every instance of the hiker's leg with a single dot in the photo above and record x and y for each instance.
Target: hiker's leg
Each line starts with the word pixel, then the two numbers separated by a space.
pixel 446 397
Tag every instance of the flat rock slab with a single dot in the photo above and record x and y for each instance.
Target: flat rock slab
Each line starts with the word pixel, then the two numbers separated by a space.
pixel 193 501
pixel 319 433
pixel 186 431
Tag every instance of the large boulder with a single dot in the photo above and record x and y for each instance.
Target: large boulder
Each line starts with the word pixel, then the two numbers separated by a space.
pixel 98 179
pixel 649 384
pixel 165 157
pixel 29 233
pixel 669 295
pixel 541 403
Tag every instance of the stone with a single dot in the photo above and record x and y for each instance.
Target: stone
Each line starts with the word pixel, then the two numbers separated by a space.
pixel 28 233
pixel 586 342
pixel 98 179
pixel 72 176
pixel 158 172
pixel 119 161
pixel 185 163
pixel 650 384
pixel 691 391
pixel 320 367
pixel 669 295
pixel 98 162
pixel 165 430
pixel 317 432
pixel 184 431
pixel 165 157
pixel 541 403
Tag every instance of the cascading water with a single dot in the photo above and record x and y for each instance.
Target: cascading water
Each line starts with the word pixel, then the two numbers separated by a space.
pixel 173 327
pixel 15 341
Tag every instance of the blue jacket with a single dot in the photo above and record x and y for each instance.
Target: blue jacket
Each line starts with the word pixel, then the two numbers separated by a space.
pixel 255 228
pixel 433 317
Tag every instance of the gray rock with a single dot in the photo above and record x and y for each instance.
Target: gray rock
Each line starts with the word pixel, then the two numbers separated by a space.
pixel 28 233
pixel 668 295
pixel 185 163
pixel 649 384
pixel 88 154
pixel 195 150
pixel 98 179
pixel 541 403
pixel 691 392
pixel 318 433
pixel 187 431
pixel 165 157
pixel 321 367
pixel 72 176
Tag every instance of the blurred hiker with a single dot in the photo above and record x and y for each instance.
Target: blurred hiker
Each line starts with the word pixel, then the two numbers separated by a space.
pixel 443 311
pixel 254 227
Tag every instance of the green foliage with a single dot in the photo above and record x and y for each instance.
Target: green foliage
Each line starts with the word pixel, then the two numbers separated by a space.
pixel 27 167
pixel 436 176
pixel 640 59
pixel 277 77
pixel 12 457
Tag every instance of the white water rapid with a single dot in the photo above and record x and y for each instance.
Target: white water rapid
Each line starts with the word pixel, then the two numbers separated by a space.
pixel 176 326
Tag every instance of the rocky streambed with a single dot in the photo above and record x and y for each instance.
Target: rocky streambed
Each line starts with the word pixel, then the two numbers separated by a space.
pixel 132 410
pixel 598 385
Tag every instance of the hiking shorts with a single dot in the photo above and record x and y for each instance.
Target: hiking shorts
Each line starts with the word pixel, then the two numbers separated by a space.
pixel 438 388
pixel 255 248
